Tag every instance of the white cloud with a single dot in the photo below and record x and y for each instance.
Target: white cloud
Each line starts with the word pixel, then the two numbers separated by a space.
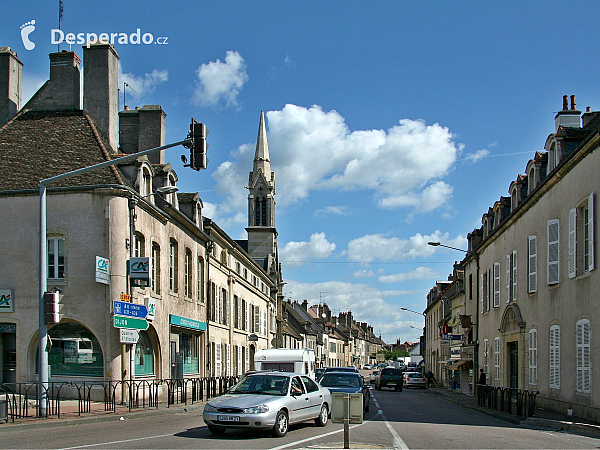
pixel 333 210
pixel 368 304
pixel 295 253
pixel 477 156
pixel 363 274
pixel 377 246
pixel 221 81
pixel 420 273
pixel 398 166
pixel 139 87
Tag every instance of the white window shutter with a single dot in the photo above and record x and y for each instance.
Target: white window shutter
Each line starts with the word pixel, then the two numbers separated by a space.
pixel 553 251
pixel 533 356
pixel 247 317
pixel 228 355
pixel 218 360
pixel 508 271
pixel 514 276
pixel 227 308
pixel 239 324
pixel 532 269
pixel 583 336
pixel 256 319
pixel 489 289
pixel 481 296
pixel 572 255
pixel 496 285
pixel 591 231
pixel 497 358
pixel 555 357
pixel 239 359
pixel 247 350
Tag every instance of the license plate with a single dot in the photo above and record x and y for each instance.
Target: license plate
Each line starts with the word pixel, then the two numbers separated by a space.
pixel 228 418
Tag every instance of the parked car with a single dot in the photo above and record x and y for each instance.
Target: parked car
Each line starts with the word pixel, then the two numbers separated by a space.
pixel 268 400
pixel 367 367
pixel 389 377
pixel 374 375
pixel 347 382
pixel 341 369
pixel 415 379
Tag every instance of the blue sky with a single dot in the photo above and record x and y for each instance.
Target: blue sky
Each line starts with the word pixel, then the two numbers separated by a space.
pixel 390 123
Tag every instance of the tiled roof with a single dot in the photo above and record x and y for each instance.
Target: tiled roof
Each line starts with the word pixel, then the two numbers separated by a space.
pixel 41 144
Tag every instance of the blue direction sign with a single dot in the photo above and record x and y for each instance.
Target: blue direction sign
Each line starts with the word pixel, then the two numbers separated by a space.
pixel 129 309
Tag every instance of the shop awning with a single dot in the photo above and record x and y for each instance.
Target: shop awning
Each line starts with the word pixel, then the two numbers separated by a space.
pixel 456 363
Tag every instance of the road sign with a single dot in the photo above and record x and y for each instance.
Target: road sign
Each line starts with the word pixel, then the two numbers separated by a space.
pixel 130 309
pixel 125 297
pixel 129 336
pixel 130 322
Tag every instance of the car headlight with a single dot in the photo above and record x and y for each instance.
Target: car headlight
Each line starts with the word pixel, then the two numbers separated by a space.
pixel 256 409
pixel 210 408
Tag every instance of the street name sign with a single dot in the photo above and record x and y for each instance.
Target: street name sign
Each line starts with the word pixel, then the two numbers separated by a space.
pixel 130 309
pixel 129 336
pixel 130 322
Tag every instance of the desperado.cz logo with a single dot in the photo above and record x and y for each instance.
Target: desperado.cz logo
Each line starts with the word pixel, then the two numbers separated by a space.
pixel 58 37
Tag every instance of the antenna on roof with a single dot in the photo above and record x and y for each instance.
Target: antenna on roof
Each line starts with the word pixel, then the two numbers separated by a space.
pixel 126 85
pixel 60 16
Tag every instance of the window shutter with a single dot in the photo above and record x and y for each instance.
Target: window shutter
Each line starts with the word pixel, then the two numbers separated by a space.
pixel 572 255
pixel 481 296
pixel 591 231
pixel 247 317
pixel 247 350
pixel 256 319
pixel 533 356
pixel 227 309
pixel 496 285
pixel 508 269
pixel 218 360
pixel 514 276
pixel 228 356
pixel 584 381
pixel 489 289
pixel 497 358
pixel 532 272
pixel 239 359
pixel 553 251
pixel 555 357
pixel 239 314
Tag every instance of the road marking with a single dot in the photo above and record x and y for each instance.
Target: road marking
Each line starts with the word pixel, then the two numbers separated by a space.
pixel 117 442
pixel 321 435
pixel 398 442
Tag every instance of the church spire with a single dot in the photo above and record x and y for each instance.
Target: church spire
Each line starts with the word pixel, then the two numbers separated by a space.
pixel 261 157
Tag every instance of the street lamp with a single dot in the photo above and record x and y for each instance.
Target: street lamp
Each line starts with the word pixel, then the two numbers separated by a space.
pixel 410 310
pixel 437 244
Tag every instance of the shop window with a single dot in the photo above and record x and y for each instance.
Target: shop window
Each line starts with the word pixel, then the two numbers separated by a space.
pixel 144 356
pixel 188 346
pixel 74 351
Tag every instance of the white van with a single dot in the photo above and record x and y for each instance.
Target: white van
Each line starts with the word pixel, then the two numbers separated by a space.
pixel 286 360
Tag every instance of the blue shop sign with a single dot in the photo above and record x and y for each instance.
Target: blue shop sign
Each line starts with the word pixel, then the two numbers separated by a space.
pixel 187 323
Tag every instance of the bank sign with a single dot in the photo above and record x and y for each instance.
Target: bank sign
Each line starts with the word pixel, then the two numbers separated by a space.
pixel 6 301
pixel 102 274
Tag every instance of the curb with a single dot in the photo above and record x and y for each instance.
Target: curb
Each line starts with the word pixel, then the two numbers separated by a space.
pixel 585 429
pixel 55 422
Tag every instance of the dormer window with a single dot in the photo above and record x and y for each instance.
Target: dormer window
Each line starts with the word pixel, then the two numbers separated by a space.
pixel 531 181
pixel 171 198
pixel 514 200
pixel 146 185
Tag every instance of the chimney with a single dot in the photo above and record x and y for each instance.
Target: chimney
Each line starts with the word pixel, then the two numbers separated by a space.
pixel 142 129
pixel 101 89
pixel 62 90
pixel 11 80
pixel 568 118
pixel 589 115
pixel 305 305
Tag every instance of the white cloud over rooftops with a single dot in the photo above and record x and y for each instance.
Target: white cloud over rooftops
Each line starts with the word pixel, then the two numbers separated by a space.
pixel 221 81
pixel 297 253
pixel 140 87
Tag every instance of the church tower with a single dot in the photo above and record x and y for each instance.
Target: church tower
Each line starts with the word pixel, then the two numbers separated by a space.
pixel 262 235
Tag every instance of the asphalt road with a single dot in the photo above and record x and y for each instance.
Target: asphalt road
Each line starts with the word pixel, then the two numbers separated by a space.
pixel 409 419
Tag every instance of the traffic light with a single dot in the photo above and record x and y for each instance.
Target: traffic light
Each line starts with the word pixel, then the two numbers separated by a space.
pixel 52 306
pixel 198 147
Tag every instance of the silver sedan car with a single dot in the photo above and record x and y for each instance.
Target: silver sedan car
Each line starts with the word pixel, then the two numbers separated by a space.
pixel 268 400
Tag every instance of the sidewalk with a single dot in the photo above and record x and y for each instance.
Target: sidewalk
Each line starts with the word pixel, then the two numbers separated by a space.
pixel 69 414
pixel 543 418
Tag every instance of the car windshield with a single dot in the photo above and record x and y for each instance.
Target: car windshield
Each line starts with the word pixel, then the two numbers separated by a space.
pixel 340 369
pixel 340 380
pixel 266 384
pixel 391 371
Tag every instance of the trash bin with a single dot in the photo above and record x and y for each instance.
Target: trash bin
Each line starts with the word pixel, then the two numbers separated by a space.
pixel 3 410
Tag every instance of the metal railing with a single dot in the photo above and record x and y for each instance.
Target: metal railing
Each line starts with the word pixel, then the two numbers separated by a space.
pixel 521 401
pixel 22 398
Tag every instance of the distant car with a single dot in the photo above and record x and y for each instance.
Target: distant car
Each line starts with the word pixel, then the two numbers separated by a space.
pixel 347 382
pixel 341 369
pixel 415 379
pixel 374 375
pixel 367 367
pixel 268 400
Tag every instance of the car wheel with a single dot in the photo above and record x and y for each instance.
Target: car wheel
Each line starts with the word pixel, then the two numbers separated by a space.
pixel 321 421
pixel 216 430
pixel 396 388
pixel 378 387
pixel 281 424
pixel 367 407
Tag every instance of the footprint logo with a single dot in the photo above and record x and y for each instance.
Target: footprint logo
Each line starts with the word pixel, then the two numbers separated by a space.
pixel 26 30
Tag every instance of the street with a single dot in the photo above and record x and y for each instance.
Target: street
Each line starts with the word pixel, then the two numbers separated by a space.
pixel 408 419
